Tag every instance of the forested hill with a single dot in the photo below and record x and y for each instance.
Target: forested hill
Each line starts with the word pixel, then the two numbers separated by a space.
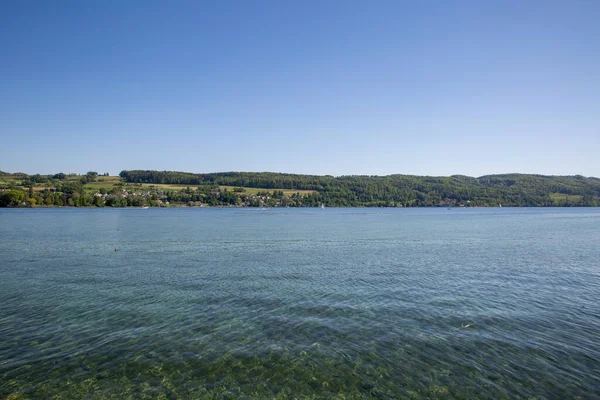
pixel 401 190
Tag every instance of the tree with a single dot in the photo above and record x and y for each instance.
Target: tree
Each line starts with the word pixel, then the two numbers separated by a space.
pixel 91 176
pixel 70 187
pixel 98 202
pixel 48 198
pixel 12 198
pixel 228 197
pixel 74 200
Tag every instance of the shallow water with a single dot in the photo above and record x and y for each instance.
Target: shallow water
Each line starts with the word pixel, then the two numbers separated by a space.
pixel 233 303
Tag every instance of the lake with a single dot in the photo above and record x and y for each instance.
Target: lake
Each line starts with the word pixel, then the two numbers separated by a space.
pixel 282 303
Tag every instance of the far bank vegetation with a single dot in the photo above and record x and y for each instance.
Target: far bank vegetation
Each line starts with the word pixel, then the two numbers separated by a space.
pixel 137 188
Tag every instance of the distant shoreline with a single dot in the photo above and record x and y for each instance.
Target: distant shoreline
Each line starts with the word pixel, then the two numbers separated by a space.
pixel 141 188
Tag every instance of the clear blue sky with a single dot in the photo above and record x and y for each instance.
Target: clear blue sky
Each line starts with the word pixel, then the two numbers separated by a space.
pixel 318 87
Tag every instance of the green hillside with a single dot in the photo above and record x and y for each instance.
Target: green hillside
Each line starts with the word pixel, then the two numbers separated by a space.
pixel 162 188
pixel 402 190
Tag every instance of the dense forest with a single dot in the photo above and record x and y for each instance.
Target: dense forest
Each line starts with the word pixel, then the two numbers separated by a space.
pixel 165 188
pixel 402 190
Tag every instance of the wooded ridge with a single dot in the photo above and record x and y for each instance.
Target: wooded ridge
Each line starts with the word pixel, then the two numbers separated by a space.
pixel 162 188
pixel 402 190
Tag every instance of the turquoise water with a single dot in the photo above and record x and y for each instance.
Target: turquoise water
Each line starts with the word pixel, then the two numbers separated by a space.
pixel 247 303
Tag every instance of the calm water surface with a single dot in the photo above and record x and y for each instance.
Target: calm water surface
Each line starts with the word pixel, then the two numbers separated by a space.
pixel 354 303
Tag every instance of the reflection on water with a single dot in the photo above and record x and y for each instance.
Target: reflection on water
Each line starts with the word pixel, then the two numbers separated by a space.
pixel 356 303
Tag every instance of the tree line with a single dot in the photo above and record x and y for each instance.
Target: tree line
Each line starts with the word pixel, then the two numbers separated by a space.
pixel 402 190
pixel 343 191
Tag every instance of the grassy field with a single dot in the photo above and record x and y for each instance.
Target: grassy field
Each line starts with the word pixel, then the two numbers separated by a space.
pixel 561 198
pixel 248 190
pixel 111 183
pixel 113 179
pixel 6 181
pixel 96 186
pixel 286 192
pixel 168 186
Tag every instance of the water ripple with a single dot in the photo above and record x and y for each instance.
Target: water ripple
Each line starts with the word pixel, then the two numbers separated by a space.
pixel 298 303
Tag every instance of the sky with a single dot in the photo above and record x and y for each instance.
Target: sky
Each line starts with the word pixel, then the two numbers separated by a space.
pixel 315 87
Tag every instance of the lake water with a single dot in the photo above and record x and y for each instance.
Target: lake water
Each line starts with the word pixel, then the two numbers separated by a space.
pixel 359 303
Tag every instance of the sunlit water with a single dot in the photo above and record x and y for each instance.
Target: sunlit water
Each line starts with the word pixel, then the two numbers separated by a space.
pixel 359 303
